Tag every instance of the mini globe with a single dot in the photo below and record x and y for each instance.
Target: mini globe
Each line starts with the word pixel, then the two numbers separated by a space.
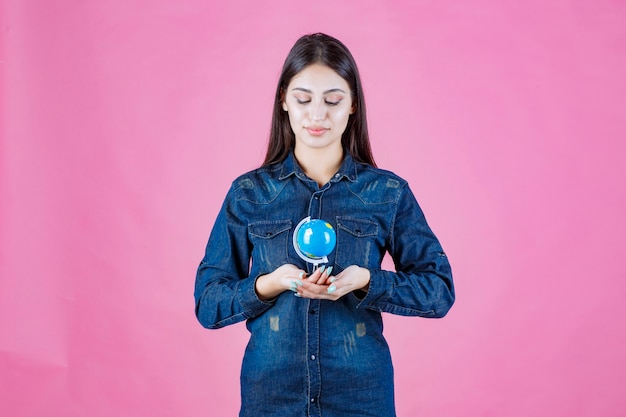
pixel 315 238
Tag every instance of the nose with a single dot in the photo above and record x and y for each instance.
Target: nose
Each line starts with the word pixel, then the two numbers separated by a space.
pixel 317 111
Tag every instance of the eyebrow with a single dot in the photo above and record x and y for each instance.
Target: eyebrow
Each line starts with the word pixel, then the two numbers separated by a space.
pixel 332 90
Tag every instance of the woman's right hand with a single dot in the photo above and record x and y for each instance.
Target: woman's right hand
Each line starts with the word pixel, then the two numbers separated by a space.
pixel 283 278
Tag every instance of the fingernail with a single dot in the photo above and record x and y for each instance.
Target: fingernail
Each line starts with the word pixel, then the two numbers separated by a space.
pixel 329 270
pixel 296 294
pixel 293 286
pixel 301 274
pixel 322 269
pixel 331 289
pixel 333 279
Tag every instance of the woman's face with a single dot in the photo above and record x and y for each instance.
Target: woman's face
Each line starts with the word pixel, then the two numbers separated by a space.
pixel 319 104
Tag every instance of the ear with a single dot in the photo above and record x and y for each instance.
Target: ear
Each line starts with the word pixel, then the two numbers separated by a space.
pixel 282 99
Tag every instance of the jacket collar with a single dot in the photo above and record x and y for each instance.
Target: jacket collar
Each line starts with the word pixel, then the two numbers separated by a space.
pixel 347 170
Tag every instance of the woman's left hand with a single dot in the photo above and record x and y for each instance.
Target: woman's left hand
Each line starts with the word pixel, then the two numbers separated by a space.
pixel 321 285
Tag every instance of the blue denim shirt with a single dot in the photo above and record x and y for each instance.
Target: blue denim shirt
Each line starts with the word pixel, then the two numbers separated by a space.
pixel 317 357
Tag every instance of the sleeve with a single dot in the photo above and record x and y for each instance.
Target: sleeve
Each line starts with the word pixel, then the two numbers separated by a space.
pixel 224 292
pixel 422 284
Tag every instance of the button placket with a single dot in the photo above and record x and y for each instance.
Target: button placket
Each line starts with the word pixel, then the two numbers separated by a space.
pixel 313 346
pixel 313 321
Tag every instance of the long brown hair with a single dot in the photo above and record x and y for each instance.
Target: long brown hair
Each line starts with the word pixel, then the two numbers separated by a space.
pixel 322 49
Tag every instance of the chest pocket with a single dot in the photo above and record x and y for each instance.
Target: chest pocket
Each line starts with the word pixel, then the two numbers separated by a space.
pixel 270 241
pixel 356 240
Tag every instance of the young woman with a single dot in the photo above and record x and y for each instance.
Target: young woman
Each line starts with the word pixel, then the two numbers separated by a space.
pixel 316 346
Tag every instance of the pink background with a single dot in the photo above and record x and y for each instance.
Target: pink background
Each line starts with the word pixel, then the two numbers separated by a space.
pixel 123 123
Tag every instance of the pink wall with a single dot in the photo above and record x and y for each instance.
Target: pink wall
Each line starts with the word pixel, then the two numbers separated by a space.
pixel 123 123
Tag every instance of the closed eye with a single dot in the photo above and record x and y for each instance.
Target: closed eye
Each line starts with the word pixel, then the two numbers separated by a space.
pixel 327 102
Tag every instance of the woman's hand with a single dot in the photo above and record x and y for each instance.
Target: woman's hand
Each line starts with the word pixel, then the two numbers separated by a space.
pixel 285 277
pixel 321 284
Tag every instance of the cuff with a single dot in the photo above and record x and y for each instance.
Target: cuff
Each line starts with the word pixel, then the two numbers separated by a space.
pixel 250 301
pixel 378 292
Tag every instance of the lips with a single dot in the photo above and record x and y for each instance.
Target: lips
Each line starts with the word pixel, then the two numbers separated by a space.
pixel 316 130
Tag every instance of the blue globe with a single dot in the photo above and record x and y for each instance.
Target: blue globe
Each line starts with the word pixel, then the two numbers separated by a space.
pixel 316 238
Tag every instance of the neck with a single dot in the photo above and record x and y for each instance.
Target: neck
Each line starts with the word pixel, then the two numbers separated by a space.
pixel 319 164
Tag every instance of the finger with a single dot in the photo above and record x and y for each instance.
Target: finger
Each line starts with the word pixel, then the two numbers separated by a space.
pixel 315 292
pixel 311 287
pixel 323 274
pixel 295 279
pixel 338 287
pixel 294 284
pixel 325 277
pixel 328 292
pixel 317 276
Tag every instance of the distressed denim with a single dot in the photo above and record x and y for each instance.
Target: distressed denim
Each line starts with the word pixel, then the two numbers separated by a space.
pixel 318 357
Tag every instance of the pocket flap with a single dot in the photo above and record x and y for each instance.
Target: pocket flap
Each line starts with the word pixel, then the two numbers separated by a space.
pixel 357 227
pixel 269 228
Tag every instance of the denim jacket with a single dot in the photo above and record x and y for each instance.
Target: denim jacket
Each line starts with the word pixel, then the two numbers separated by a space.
pixel 317 357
